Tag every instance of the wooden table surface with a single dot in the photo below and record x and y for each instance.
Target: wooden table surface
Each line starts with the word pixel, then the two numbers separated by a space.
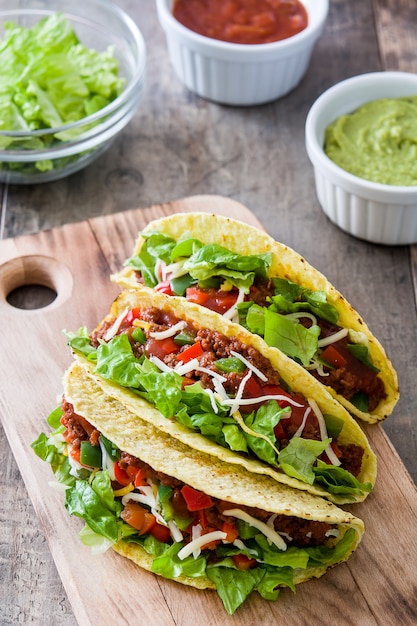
pixel 179 145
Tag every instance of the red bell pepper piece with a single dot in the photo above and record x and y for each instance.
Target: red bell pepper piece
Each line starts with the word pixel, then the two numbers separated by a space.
pixel 196 500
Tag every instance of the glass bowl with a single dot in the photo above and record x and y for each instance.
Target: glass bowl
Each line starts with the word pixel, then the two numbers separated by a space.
pixel 98 25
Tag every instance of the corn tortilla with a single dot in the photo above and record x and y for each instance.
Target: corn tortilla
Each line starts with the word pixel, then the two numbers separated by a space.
pixel 231 483
pixel 288 264
pixel 297 379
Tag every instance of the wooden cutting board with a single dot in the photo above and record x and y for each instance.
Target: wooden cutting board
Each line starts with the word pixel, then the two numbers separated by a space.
pixel 378 585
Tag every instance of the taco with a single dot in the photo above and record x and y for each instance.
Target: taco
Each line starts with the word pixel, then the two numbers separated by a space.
pixel 180 513
pixel 242 273
pixel 221 390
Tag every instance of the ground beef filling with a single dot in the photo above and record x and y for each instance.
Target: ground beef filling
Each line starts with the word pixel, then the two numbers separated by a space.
pixel 296 531
pixel 217 346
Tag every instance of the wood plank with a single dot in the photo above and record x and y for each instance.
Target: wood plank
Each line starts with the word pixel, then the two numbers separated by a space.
pixel 397 37
pixel 368 589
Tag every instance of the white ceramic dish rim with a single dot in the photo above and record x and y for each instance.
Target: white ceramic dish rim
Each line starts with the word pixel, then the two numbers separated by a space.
pixel 117 103
pixel 248 53
pixel 351 93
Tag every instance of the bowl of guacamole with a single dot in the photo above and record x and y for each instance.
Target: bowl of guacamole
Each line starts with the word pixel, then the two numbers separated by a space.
pixel 361 138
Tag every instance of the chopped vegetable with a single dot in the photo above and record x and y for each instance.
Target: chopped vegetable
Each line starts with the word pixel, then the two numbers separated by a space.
pixel 50 79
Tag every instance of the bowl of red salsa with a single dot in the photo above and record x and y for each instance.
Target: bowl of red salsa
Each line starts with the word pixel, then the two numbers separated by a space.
pixel 241 52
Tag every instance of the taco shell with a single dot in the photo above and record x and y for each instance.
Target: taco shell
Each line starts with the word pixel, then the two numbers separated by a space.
pixel 288 264
pixel 297 379
pixel 206 473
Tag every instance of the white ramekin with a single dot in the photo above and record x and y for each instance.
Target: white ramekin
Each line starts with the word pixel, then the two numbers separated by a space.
pixel 240 74
pixel 384 214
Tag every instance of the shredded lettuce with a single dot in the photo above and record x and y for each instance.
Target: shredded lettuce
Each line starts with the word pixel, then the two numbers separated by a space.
pixel 50 79
pixel 201 263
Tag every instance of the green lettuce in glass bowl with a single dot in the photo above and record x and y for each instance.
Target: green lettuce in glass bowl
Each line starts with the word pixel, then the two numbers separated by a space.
pixel 72 78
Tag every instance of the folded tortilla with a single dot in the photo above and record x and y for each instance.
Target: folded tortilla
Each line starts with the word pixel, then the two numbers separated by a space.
pixel 144 404
pixel 287 264
pixel 211 476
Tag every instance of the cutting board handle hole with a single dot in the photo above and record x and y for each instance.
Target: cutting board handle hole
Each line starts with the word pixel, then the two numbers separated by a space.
pixel 29 297
pixel 34 282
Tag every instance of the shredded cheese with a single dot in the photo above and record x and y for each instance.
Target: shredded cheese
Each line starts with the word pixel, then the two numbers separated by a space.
pixel 249 365
pixel 107 462
pixel 229 314
pixel 323 432
pixel 124 490
pixel 216 535
pixel 247 401
pixel 299 431
pixel 211 373
pixel 169 332
pixel 271 535
pixel 299 314
pixel 238 543
pixel 220 391
pixel 239 419
pixel 326 341
pixel 213 402
pixel 195 534
pixel 112 331
pixel 159 268
pixel 148 497
pixel 173 270
pixel 160 364
pixel 184 368
pixel 141 324
pixel 316 365
pixel 176 534
pixel 236 400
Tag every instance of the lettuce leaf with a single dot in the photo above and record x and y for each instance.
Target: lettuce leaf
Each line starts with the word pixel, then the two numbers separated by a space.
pixel 201 262
pixel 263 421
pixel 49 79
pixel 234 585
pixel 298 458
pixel 338 480
pixel 170 566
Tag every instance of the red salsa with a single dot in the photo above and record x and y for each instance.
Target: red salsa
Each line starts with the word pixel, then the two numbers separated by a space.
pixel 242 21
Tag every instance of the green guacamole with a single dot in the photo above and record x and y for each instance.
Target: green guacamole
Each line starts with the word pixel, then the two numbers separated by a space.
pixel 377 142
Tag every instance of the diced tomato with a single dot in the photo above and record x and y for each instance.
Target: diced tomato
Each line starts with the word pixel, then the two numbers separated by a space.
pixel 196 295
pixel 279 432
pixel 253 388
pixel 191 352
pixel 121 476
pixel 161 533
pixel 195 500
pixel 217 300
pixel 243 562
pixel 133 314
pixel 201 518
pixel 140 478
pixel 161 347
pixel 333 357
pixel 138 517
pixel 164 287
pixel 231 531
pixel 75 453
pixel 137 475
pixel 335 449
